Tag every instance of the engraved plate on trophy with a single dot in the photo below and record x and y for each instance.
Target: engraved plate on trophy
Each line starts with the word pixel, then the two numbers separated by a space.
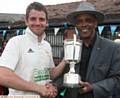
pixel 72 50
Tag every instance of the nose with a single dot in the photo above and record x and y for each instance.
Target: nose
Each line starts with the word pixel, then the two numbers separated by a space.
pixel 81 22
pixel 37 22
pixel 84 23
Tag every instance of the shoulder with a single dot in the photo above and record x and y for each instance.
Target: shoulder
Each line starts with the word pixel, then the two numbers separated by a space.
pixel 16 39
pixel 47 47
pixel 46 43
pixel 110 44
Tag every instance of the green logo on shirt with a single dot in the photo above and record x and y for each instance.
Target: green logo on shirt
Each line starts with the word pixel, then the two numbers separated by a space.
pixel 39 75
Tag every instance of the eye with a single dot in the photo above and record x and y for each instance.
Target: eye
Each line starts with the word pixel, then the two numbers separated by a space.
pixel 42 19
pixel 78 21
pixel 89 20
pixel 32 18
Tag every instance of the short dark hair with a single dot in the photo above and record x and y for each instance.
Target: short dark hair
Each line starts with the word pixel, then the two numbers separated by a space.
pixel 37 6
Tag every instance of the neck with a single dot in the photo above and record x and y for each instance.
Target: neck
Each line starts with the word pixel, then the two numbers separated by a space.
pixel 87 41
pixel 39 38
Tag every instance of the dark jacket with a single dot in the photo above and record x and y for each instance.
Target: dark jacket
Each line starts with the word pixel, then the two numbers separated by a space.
pixel 103 70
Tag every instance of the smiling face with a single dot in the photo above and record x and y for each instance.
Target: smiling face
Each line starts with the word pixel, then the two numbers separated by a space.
pixel 37 21
pixel 86 24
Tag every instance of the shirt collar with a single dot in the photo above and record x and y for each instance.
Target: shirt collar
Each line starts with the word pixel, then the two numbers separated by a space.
pixel 92 42
pixel 34 36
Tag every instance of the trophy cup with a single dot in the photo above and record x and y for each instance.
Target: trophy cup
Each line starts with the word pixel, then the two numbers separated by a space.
pixel 72 50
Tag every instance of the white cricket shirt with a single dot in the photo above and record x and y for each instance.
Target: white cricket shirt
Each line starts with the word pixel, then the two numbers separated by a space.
pixel 30 59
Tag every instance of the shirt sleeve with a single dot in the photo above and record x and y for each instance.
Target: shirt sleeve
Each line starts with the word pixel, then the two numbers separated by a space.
pixel 10 55
pixel 51 58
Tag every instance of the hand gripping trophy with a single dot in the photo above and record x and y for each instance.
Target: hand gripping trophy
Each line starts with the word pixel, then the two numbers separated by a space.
pixel 72 49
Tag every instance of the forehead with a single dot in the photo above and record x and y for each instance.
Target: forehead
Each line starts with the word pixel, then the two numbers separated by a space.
pixel 36 13
pixel 85 15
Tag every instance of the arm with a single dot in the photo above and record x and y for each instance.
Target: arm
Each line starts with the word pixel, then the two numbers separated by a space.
pixel 56 71
pixel 107 86
pixel 9 79
pixel 104 82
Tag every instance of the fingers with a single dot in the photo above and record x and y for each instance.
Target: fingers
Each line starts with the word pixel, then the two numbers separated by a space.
pixel 47 91
pixel 52 91
pixel 85 87
pixel 51 87
pixel 81 84
pixel 50 95
pixel 65 61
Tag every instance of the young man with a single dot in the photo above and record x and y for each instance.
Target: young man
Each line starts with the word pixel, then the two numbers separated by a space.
pixel 26 64
pixel 99 66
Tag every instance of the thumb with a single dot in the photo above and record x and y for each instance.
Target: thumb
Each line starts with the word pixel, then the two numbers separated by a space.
pixel 81 83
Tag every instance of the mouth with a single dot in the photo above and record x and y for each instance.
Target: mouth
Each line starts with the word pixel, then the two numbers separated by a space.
pixel 84 30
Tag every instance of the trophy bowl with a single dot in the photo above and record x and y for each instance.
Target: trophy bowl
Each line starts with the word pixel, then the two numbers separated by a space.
pixel 72 51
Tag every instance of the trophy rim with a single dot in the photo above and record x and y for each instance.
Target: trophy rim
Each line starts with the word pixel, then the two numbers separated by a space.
pixel 78 40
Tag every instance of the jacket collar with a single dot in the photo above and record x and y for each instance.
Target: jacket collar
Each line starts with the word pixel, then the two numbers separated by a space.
pixel 95 54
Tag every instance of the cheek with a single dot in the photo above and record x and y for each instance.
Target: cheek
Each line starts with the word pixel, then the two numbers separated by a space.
pixel 93 28
pixel 29 24
pixel 45 24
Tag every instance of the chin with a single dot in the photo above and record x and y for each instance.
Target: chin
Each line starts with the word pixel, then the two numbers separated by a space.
pixel 84 37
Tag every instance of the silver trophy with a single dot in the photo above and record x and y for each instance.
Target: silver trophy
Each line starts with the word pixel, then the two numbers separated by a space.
pixel 72 50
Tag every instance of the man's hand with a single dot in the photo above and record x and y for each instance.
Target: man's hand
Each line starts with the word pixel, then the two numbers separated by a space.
pixel 85 87
pixel 47 91
pixel 52 90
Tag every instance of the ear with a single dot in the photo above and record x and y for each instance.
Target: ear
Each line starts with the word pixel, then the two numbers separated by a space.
pixel 26 21
pixel 47 24
pixel 96 23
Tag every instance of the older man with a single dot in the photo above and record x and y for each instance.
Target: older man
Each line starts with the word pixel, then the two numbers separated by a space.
pixel 99 67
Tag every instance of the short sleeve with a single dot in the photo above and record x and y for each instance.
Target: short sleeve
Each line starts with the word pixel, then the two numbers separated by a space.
pixel 10 55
